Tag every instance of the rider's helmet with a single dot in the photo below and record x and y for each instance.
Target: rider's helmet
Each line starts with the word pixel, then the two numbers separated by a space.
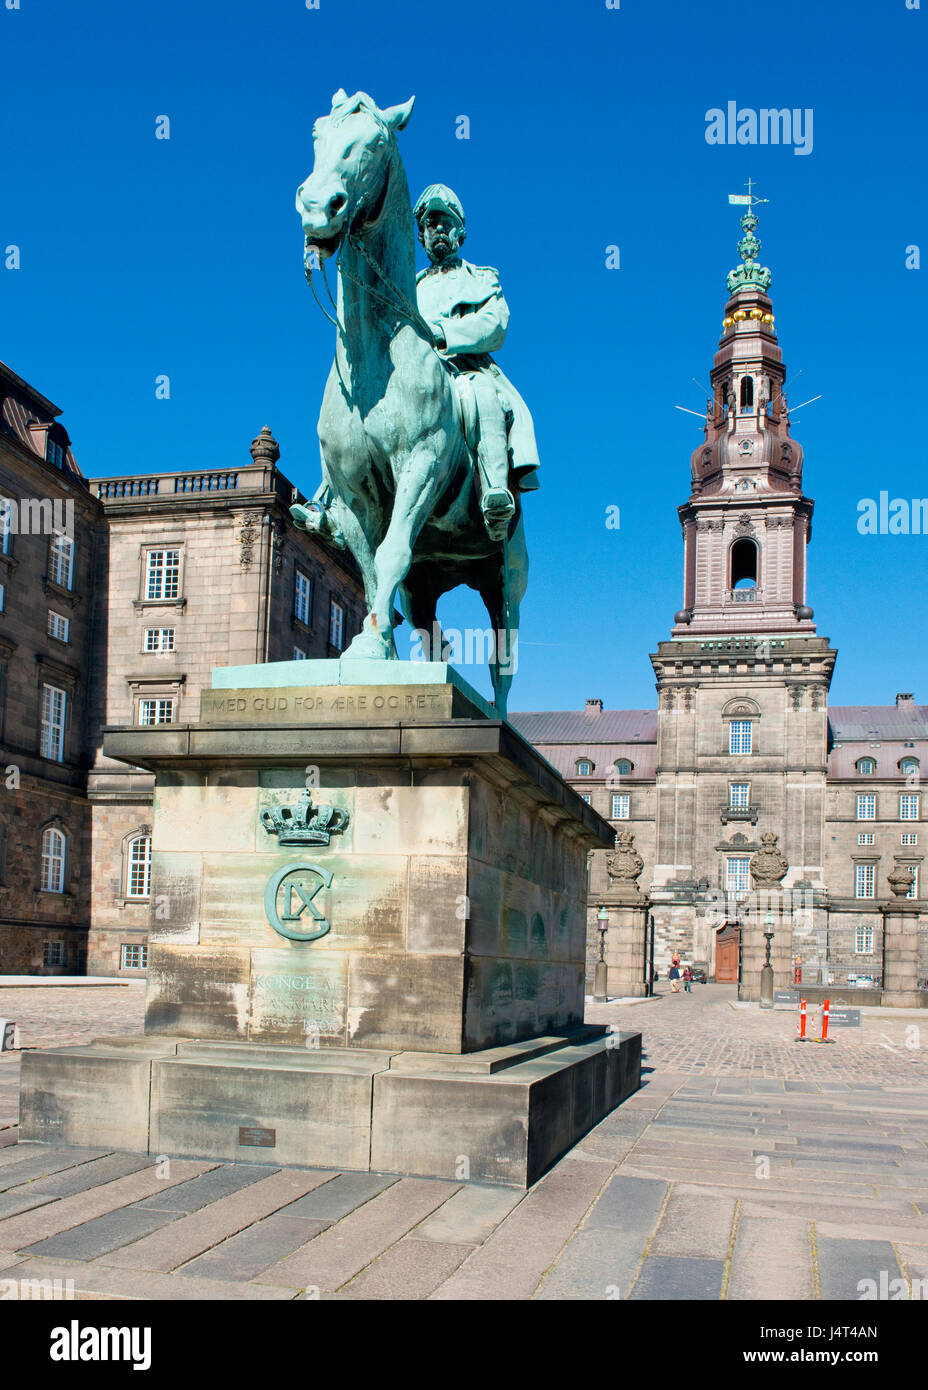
pixel 438 197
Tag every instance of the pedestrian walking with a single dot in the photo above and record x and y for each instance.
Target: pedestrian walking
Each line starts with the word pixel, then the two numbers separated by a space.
pixel 688 978
pixel 674 978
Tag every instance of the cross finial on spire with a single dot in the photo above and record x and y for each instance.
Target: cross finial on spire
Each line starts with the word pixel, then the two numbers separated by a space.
pixel 749 273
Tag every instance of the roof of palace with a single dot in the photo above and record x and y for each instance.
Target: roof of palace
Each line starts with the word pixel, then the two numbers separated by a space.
pixel 597 728
pixel 861 723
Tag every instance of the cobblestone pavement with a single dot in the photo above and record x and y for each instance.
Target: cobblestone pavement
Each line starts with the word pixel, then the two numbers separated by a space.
pixel 747 1166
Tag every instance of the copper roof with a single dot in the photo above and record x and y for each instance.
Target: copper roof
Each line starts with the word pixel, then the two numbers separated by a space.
pixel 861 723
pixel 599 727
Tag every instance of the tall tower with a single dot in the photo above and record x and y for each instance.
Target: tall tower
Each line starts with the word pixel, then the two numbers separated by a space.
pixel 746 524
pixel 743 682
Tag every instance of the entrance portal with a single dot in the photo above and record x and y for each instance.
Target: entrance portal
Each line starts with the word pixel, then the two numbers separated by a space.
pixel 728 953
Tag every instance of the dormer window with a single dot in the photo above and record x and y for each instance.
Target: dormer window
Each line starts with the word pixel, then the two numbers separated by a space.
pixel 584 767
pixel 908 765
pixel 866 767
pixel 623 767
pixel 54 452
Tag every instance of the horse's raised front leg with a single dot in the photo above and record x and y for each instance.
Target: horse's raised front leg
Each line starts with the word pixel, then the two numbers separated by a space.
pixel 416 492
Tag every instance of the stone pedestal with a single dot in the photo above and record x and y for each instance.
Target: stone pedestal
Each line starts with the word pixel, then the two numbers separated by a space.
pixel 367 940
pixel 626 942
pixel 900 954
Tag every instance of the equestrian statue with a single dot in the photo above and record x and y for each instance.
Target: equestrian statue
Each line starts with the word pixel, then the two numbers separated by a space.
pixel 426 447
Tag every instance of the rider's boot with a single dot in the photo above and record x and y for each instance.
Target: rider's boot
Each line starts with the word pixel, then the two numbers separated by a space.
pixel 496 501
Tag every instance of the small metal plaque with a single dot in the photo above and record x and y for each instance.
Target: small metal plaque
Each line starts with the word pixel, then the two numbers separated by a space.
pixel 252 1137
pixel 785 996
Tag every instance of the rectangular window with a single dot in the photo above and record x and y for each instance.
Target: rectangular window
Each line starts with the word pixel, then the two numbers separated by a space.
pixel 337 625
pixel 156 711
pixel 621 807
pixel 159 639
pixel 61 562
pixel 299 654
pixel 863 941
pixel 866 837
pixel 134 958
pixel 908 806
pixel 866 807
pixel 6 524
pixel 913 891
pixel 303 598
pixel 54 704
pixel 739 796
pixel 740 738
pixel 53 953
pixel 162 574
pixel 58 626
pixel 864 880
pixel 908 838
pixel 737 876
pixel 588 798
pixel 2 597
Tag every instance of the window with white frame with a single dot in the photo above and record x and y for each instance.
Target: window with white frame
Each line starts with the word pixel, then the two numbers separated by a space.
pixel 58 626
pixel 53 953
pixel 588 798
pixel 159 639
pixel 303 597
pixel 908 806
pixel 134 957
pixel 54 706
pixel 61 561
pixel 6 524
pixel 162 574
pixel 740 736
pixel 623 767
pixel 584 767
pixel 2 597
pixel 138 867
pixel 156 711
pixel 908 837
pixel 337 625
pixel 621 806
pixel 739 796
pixel 866 807
pixel 738 875
pixel 52 874
pixel 863 941
pixel 864 880
pixel 913 891
pixel 866 837
pixel 299 654
pixel 908 765
pixel 866 767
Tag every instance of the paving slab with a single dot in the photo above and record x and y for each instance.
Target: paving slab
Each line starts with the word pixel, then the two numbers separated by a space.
pixel 249 1253
pixel 191 1235
pixel 470 1216
pixel 98 1237
pixel 843 1264
pixel 208 1187
pixel 24 1162
pixel 65 1212
pixel 411 1269
pixel 601 1260
pixel 665 1278
pixel 771 1260
pixel 341 1195
pixel 339 1253
pixel 511 1263
pixel 90 1174
pixel 99 1280
pixel 695 1226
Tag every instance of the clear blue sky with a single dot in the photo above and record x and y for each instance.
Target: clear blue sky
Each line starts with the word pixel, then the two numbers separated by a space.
pixel 587 129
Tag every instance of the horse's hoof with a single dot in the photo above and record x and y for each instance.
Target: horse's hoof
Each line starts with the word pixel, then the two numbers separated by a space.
pixel 370 646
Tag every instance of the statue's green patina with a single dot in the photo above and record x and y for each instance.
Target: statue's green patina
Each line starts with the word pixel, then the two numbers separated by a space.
pixel 426 447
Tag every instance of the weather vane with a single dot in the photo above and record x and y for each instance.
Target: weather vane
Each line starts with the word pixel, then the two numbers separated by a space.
pixel 747 199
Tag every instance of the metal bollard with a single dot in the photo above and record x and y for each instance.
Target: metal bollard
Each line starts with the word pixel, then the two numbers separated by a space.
pixel 802 1022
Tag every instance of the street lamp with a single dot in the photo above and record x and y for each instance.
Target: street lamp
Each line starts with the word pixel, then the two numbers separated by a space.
pixel 599 981
pixel 766 974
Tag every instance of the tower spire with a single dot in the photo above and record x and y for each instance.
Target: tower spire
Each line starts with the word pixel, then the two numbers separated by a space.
pixel 748 275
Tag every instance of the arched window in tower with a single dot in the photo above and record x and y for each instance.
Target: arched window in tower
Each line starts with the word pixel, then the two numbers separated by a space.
pixel 744 567
pixel 725 400
pixel 747 394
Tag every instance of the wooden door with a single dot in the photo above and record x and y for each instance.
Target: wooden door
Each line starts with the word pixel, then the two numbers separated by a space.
pixel 727 945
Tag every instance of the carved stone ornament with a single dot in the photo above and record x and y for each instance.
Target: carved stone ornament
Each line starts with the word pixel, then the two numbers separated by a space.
pixel 817 697
pixel 795 695
pixel 768 867
pixel 626 864
pixel 745 526
pixel 301 824
pixel 746 446
pixel 901 879
pixel 248 534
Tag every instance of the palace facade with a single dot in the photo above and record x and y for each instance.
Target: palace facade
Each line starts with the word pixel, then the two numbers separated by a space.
pixel 743 743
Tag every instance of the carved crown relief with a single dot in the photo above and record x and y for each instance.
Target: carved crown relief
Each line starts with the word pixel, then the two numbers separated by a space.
pixel 626 864
pixel 767 866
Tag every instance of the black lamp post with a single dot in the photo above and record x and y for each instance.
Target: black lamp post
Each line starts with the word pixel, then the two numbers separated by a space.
pixel 766 974
pixel 600 978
